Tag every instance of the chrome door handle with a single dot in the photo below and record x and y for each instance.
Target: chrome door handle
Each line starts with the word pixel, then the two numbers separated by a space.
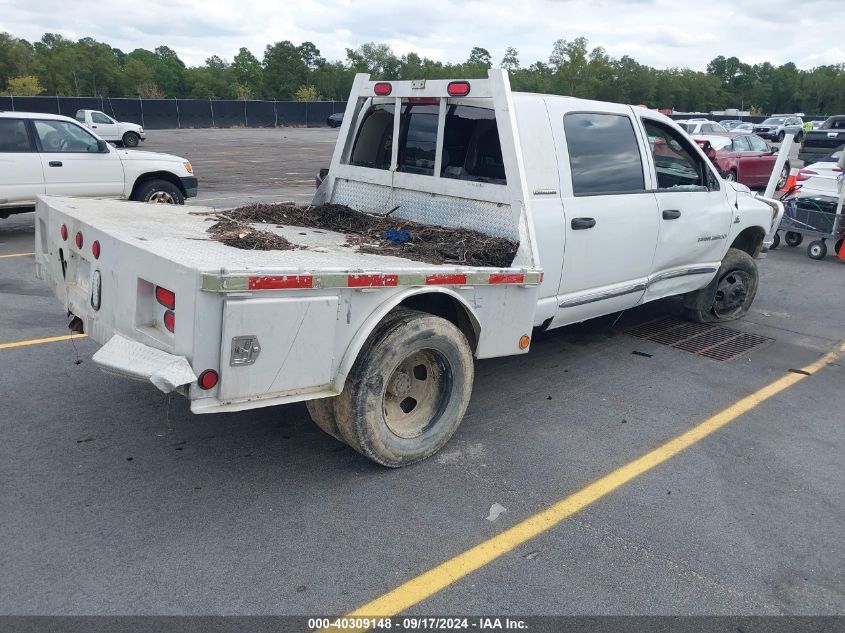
pixel 55 163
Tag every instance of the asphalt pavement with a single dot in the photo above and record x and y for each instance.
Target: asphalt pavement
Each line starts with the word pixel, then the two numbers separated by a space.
pixel 117 500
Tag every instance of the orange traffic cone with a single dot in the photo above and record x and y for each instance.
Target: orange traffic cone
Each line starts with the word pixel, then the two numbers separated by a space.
pixel 841 252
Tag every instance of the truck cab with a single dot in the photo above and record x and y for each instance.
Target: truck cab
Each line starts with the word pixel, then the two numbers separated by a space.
pixel 107 128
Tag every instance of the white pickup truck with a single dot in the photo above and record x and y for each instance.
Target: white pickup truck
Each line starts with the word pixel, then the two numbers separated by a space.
pixel 54 155
pixel 127 134
pixel 612 206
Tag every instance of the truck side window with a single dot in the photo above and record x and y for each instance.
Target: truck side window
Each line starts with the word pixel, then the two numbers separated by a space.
pixel 471 148
pixel 604 155
pixel 678 165
pixel 757 144
pixel 98 117
pixel 375 138
pixel 418 138
pixel 61 136
pixel 13 136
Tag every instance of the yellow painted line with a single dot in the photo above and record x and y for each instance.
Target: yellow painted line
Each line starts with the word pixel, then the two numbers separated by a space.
pixel 435 580
pixel 16 255
pixel 40 341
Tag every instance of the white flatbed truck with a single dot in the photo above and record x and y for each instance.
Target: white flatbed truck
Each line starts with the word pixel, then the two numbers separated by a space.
pixel 382 347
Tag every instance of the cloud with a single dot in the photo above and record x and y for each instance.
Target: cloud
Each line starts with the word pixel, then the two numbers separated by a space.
pixel 661 33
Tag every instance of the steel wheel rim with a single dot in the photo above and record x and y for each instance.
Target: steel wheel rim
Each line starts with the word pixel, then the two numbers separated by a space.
pixel 161 197
pixel 731 293
pixel 416 393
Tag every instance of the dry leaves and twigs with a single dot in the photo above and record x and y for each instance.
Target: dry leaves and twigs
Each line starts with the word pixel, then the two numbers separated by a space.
pixel 427 243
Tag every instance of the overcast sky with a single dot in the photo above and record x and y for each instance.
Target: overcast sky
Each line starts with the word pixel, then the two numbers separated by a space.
pixel 661 33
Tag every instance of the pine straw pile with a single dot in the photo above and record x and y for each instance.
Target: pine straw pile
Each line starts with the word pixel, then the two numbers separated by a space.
pixel 366 231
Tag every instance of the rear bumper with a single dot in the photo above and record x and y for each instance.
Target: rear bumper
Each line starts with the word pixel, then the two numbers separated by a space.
pixel 190 185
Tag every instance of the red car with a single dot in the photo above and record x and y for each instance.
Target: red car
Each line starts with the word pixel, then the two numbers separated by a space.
pixel 746 158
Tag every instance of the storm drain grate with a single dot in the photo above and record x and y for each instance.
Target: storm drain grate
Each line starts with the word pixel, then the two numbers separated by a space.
pixel 711 341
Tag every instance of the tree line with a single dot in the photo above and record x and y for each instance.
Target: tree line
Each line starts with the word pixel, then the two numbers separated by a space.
pixel 56 65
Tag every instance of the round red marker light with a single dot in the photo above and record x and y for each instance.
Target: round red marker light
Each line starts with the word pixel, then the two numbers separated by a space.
pixel 78 239
pixel 382 89
pixel 208 379
pixel 95 249
pixel 64 231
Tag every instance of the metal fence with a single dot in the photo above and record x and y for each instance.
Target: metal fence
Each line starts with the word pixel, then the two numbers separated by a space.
pixel 186 113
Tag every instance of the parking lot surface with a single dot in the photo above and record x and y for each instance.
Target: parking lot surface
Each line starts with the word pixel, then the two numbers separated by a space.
pixel 117 500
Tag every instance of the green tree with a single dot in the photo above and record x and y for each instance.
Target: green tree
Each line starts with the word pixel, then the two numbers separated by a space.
pixel 24 86
pixel 510 61
pixel 480 56
pixel 247 73
pixel 284 70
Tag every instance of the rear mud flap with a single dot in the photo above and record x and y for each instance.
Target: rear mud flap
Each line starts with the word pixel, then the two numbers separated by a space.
pixel 130 359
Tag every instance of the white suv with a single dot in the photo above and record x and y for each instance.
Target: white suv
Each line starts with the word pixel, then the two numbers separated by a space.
pixel 55 155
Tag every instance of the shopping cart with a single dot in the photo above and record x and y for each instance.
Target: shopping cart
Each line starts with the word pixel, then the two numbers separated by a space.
pixel 815 217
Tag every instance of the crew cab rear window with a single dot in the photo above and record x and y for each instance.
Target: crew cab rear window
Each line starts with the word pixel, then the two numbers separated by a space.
pixel 471 148
pixel 604 155
pixel 375 138
pixel 13 136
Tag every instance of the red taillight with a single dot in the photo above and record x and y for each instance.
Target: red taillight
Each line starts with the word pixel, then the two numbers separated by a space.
pixel 458 88
pixel 95 249
pixel 208 379
pixel 170 320
pixel 805 174
pixel 64 232
pixel 166 298
pixel 382 89
pixel 78 239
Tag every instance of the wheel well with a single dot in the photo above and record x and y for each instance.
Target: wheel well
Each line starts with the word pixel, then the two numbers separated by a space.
pixel 157 175
pixel 130 132
pixel 750 240
pixel 449 308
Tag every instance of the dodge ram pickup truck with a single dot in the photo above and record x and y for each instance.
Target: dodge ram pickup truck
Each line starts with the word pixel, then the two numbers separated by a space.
pixel 611 205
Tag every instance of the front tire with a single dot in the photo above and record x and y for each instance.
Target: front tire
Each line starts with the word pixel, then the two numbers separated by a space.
pixel 158 192
pixel 781 136
pixel 730 175
pixel 730 295
pixel 130 139
pixel 775 241
pixel 408 390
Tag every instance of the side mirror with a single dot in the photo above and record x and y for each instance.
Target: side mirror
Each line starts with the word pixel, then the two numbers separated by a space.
pixel 102 147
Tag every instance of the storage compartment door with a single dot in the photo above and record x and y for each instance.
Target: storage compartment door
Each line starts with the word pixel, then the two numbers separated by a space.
pixel 295 340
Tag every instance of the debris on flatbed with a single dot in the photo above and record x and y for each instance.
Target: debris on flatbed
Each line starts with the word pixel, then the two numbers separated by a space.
pixel 243 235
pixel 370 233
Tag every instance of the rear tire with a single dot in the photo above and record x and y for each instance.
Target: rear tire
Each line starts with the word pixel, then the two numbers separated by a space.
pixel 817 249
pixel 158 192
pixel 130 139
pixel 730 295
pixel 781 136
pixel 793 239
pixel 408 390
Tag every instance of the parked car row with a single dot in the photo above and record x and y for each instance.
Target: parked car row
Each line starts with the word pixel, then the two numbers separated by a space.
pixel 55 155
pixel 741 157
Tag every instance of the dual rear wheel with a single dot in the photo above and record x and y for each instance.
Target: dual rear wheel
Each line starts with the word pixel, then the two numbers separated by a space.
pixel 406 393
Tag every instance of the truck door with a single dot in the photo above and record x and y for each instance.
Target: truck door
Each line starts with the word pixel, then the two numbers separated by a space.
pixel 73 164
pixel 21 178
pixel 105 127
pixel 610 214
pixel 695 214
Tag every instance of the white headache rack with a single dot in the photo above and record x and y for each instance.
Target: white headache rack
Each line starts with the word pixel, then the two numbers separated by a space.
pixel 470 174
